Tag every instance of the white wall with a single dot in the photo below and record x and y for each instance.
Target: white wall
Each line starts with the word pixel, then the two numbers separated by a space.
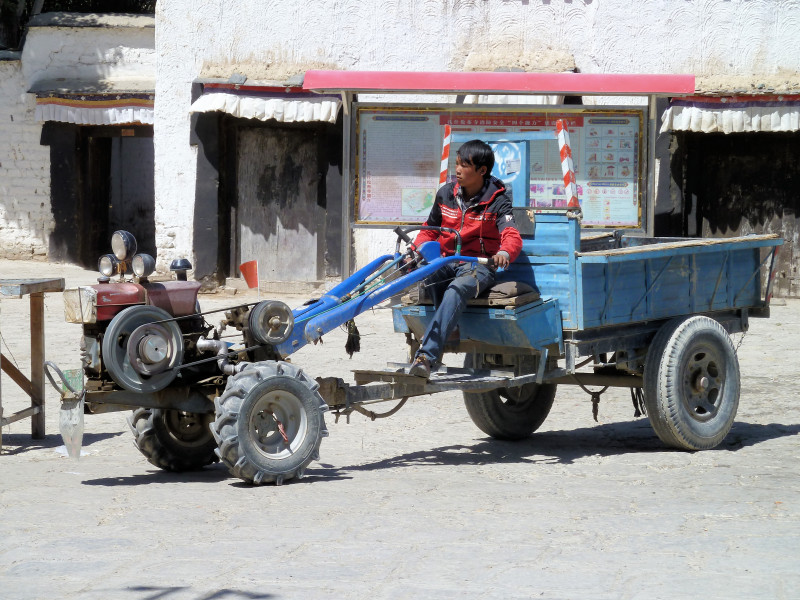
pixel 95 50
pixel 25 217
pixel 280 37
pixel 75 48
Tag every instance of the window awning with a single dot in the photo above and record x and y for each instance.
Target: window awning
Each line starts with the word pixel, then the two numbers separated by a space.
pixel 283 104
pixel 733 114
pixel 99 102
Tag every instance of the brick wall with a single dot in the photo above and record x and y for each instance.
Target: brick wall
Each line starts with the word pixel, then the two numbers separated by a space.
pixel 25 217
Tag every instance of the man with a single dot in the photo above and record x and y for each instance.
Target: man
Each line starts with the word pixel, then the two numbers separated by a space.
pixel 478 207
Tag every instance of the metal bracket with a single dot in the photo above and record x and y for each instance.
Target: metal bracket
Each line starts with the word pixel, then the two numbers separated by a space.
pixel 749 279
pixel 542 366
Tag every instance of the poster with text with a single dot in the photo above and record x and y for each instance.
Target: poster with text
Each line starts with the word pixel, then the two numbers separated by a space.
pixel 398 160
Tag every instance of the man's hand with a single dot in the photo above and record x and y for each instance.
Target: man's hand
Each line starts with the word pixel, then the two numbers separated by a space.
pixel 500 260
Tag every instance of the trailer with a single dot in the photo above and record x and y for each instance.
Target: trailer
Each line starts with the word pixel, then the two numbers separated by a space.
pixel 653 315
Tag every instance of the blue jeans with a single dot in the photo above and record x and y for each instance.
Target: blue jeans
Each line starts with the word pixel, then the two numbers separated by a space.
pixel 451 287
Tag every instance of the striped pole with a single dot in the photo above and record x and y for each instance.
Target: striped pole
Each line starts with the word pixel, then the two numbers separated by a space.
pixel 567 167
pixel 445 155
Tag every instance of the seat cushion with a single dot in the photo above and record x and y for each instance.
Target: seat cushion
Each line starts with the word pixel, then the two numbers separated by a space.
pixel 502 293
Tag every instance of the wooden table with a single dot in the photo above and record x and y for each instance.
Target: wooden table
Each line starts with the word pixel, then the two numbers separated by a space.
pixel 34 387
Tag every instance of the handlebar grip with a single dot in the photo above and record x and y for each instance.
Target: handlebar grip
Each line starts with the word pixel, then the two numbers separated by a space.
pixel 402 235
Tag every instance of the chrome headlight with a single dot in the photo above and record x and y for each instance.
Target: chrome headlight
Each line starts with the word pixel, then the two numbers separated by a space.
pixel 143 265
pixel 123 244
pixel 108 265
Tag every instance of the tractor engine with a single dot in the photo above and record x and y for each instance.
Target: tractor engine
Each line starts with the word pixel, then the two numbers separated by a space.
pixel 136 332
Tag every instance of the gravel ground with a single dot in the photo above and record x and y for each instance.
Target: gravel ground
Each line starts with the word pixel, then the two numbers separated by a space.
pixel 421 505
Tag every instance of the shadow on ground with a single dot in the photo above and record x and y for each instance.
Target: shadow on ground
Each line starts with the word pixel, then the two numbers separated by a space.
pixel 18 443
pixel 165 593
pixel 562 447
pixel 546 447
pixel 210 474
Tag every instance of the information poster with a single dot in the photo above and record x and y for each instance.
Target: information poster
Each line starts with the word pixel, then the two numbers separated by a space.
pixel 399 161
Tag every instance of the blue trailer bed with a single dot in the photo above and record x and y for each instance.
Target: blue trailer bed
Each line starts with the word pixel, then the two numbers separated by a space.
pixel 650 314
pixel 614 281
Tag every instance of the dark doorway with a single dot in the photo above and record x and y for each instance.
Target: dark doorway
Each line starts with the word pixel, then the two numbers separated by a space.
pixel 101 181
pixel 742 183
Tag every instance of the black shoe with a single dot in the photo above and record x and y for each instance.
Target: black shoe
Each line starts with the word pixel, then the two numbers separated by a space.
pixel 421 367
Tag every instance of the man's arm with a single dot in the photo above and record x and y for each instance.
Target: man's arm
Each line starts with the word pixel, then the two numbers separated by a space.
pixel 510 240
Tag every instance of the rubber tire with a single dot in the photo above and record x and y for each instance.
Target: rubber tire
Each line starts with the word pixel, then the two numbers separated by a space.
pixel 505 415
pixel 167 446
pixel 682 351
pixel 238 413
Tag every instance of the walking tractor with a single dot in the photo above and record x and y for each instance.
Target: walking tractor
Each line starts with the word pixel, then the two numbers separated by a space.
pixel 652 315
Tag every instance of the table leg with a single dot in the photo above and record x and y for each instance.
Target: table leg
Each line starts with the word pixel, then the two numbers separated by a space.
pixel 37 364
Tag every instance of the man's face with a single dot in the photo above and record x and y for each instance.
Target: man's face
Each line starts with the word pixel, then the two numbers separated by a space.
pixel 468 177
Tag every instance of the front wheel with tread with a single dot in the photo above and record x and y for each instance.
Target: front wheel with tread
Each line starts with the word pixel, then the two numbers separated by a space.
pixel 173 440
pixel 510 413
pixel 269 423
pixel 691 383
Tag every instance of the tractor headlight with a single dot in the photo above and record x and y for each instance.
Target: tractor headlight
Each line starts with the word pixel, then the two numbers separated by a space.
pixel 123 244
pixel 108 265
pixel 143 265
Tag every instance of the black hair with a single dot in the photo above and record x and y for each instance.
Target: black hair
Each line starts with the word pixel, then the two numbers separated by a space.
pixel 477 153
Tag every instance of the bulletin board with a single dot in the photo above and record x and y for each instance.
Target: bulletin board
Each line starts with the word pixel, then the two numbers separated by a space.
pixel 398 153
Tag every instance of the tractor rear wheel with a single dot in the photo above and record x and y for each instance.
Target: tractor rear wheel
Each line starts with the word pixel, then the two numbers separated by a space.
pixel 173 440
pixel 269 423
pixel 510 413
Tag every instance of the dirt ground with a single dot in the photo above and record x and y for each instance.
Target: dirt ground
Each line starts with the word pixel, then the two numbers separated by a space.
pixel 421 505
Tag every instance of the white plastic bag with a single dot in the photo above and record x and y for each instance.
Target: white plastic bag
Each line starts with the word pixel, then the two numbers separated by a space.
pixel 70 423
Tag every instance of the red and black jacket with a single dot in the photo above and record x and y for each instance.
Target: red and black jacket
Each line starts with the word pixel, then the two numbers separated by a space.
pixel 486 226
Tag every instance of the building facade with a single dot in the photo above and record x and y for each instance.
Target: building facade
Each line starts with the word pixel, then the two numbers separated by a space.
pixel 247 165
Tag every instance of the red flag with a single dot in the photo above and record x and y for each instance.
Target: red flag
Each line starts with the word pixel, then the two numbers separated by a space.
pixel 249 271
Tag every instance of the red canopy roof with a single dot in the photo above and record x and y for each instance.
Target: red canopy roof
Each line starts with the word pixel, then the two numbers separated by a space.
pixel 571 84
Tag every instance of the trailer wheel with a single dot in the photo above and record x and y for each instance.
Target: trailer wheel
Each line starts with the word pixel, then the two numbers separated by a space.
pixel 691 383
pixel 269 423
pixel 510 413
pixel 173 440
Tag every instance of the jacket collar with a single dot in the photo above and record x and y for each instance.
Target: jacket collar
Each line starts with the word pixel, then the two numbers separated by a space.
pixel 491 187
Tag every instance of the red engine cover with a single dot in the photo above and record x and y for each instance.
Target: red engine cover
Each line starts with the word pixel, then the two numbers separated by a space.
pixel 113 298
pixel 178 298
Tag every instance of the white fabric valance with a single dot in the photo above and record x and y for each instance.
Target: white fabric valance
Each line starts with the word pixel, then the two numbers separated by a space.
pixel 82 115
pixel 110 101
pixel 732 118
pixel 524 99
pixel 285 110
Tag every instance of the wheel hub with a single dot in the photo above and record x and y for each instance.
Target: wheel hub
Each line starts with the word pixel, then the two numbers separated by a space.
pixel 278 424
pixel 703 384
pixel 187 428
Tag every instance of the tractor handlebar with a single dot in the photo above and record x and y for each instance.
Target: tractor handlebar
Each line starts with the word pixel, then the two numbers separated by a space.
pixel 402 235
